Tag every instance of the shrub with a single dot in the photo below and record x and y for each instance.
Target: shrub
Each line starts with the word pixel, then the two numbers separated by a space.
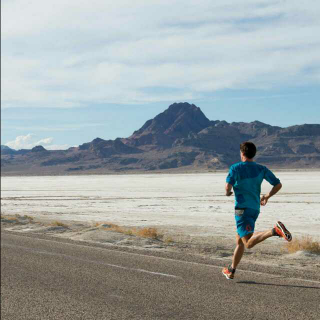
pixel 149 233
pixel 144 233
pixel 58 224
pixel 168 240
pixel 28 217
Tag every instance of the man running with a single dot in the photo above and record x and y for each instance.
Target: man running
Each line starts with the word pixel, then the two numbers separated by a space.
pixel 246 178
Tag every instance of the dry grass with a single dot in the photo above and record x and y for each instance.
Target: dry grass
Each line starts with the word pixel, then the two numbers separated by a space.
pixel 113 227
pixel 28 217
pixel 151 233
pixel 10 218
pixel 303 244
pixel 168 240
pixel 58 224
pixel 16 217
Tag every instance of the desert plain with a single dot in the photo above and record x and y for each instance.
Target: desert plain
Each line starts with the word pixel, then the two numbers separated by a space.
pixel 189 212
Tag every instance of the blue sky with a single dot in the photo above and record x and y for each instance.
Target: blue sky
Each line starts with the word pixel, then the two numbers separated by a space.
pixel 73 71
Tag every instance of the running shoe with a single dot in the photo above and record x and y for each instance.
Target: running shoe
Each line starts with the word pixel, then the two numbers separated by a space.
pixel 282 231
pixel 228 272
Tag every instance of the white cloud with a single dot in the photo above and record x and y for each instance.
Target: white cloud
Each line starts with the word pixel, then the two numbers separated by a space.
pixel 76 53
pixel 28 142
pixel 44 141
pixel 21 142
pixel 57 147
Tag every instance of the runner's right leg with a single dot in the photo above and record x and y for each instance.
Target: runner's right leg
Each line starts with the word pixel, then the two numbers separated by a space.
pixel 238 253
pixel 282 231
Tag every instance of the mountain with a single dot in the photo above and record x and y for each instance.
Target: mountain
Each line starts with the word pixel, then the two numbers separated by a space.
pixel 181 138
pixel 178 121
pixel 6 150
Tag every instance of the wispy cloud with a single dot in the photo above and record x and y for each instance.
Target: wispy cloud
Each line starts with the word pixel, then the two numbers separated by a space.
pixel 274 96
pixel 55 128
pixel 29 141
pixel 71 55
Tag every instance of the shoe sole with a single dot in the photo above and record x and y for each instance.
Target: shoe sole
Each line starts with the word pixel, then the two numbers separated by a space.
pixel 227 276
pixel 286 233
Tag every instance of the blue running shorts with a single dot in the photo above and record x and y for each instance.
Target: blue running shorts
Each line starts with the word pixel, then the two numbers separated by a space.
pixel 245 220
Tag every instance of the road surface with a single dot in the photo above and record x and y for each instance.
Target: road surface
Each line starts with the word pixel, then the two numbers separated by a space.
pixel 43 278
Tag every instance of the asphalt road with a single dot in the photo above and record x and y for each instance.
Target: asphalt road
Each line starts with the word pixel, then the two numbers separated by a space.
pixel 42 278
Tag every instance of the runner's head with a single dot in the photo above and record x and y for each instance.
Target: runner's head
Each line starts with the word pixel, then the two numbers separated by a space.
pixel 248 149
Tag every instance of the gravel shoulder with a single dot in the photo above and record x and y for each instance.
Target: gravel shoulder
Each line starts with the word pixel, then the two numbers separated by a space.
pixel 174 241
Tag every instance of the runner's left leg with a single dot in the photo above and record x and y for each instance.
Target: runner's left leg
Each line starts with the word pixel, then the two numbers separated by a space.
pixel 251 240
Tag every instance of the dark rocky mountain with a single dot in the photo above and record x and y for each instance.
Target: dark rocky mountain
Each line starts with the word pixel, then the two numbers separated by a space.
pixel 38 149
pixel 107 148
pixel 6 150
pixel 181 138
pixel 178 121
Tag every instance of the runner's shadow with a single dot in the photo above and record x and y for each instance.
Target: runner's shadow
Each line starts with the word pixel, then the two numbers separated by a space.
pixel 276 285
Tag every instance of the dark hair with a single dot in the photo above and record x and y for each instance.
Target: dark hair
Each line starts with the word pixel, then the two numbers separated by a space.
pixel 248 149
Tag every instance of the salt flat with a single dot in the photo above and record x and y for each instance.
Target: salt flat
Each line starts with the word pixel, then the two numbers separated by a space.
pixel 194 203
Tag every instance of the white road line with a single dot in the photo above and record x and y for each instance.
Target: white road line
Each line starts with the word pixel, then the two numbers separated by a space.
pixel 170 259
pixel 4 245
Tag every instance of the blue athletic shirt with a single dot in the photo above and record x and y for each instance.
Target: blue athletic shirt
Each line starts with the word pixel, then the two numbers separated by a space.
pixel 246 179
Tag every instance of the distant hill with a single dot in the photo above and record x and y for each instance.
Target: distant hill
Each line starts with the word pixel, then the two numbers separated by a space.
pixel 6 150
pixel 179 139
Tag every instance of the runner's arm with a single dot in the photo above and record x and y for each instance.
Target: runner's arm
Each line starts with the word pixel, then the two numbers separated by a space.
pixel 230 181
pixel 273 191
pixel 273 180
pixel 228 188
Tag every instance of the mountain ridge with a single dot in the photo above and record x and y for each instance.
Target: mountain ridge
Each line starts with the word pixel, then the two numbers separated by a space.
pixel 180 138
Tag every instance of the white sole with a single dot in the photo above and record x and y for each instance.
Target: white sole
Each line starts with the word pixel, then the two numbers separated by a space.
pixel 226 276
pixel 286 232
